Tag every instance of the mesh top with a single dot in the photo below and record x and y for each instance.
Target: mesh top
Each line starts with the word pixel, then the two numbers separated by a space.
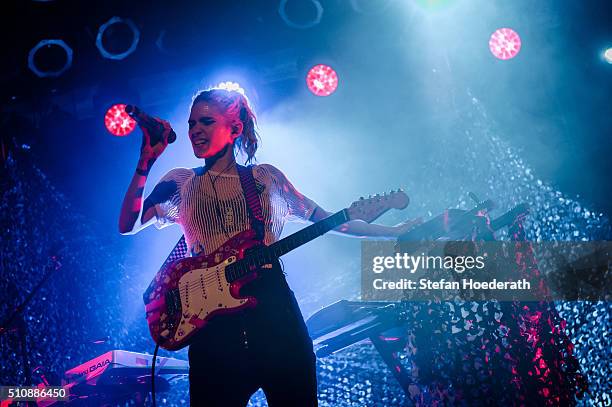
pixel 211 207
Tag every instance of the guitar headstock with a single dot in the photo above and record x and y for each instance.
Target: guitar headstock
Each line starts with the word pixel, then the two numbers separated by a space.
pixel 369 209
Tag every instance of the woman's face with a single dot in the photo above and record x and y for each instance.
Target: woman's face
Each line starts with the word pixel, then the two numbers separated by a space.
pixel 209 130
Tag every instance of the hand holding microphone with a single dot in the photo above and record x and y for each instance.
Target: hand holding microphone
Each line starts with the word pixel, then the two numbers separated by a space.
pixel 155 127
pixel 157 134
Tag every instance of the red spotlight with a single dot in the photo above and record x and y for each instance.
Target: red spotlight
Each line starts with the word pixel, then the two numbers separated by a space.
pixel 117 121
pixel 322 80
pixel 505 43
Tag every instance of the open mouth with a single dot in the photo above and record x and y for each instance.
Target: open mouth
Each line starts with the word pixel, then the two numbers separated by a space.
pixel 200 142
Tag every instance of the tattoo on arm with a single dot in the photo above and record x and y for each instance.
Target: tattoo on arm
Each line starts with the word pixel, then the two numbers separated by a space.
pixel 162 192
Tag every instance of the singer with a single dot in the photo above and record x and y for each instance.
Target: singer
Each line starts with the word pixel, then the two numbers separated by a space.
pixel 267 346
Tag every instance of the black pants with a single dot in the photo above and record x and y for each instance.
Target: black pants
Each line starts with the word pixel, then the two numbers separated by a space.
pixel 265 347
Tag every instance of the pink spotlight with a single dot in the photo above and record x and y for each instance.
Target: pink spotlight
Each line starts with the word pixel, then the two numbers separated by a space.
pixel 322 80
pixel 117 121
pixel 505 43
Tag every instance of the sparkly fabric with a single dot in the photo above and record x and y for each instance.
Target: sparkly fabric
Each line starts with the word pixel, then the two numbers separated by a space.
pixel 211 207
pixel 493 353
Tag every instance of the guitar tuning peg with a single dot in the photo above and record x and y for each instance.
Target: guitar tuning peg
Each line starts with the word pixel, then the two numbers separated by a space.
pixel 361 198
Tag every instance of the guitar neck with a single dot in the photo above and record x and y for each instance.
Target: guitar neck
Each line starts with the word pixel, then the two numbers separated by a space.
pixel 307 234
pixel 268 254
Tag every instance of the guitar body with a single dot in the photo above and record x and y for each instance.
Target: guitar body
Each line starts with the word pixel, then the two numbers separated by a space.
pixel 186 294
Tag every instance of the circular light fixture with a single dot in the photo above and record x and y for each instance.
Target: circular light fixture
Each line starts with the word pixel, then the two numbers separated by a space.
pixel 282 10
pixel 322 80
pixel 505 43
pixel 50 45
pixel 113 24
pixel 117 121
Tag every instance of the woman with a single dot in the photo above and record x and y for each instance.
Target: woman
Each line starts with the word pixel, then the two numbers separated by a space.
pixel 267 346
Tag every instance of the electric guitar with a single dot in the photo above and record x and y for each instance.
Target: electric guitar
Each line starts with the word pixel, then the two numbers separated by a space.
pixel 188 292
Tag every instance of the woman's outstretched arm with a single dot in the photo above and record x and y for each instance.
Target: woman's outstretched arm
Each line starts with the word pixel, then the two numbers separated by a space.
pixel 361 229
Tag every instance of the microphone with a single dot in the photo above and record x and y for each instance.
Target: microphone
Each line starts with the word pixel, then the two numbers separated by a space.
pixel 155 128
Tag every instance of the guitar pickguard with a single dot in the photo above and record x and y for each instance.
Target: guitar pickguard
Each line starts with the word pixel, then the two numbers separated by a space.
pixel 204 292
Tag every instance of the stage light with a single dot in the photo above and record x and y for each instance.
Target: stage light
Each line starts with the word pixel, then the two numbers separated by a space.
pixel 313 5
pixel 322 80
pixel 113 37
pixel 608 55
pixel 117 121
pixel 505 43
pixel 231 86
pixel 45 59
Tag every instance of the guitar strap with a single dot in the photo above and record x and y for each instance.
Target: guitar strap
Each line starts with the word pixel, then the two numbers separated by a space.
pixel 247 181
pixel 180 251
pixel 252 200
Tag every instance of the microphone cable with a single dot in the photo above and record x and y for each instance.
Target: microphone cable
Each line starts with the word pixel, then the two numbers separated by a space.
pixel 153 375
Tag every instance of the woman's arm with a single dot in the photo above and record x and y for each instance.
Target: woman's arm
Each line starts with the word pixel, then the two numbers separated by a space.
pixel 301 207
pixel 361 229
pixel 130 219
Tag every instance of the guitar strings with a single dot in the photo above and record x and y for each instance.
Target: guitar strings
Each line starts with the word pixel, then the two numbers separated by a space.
pixel 208 279
pixel 213 275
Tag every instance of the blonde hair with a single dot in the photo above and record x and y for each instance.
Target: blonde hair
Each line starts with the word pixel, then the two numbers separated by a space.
pixel 235 105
